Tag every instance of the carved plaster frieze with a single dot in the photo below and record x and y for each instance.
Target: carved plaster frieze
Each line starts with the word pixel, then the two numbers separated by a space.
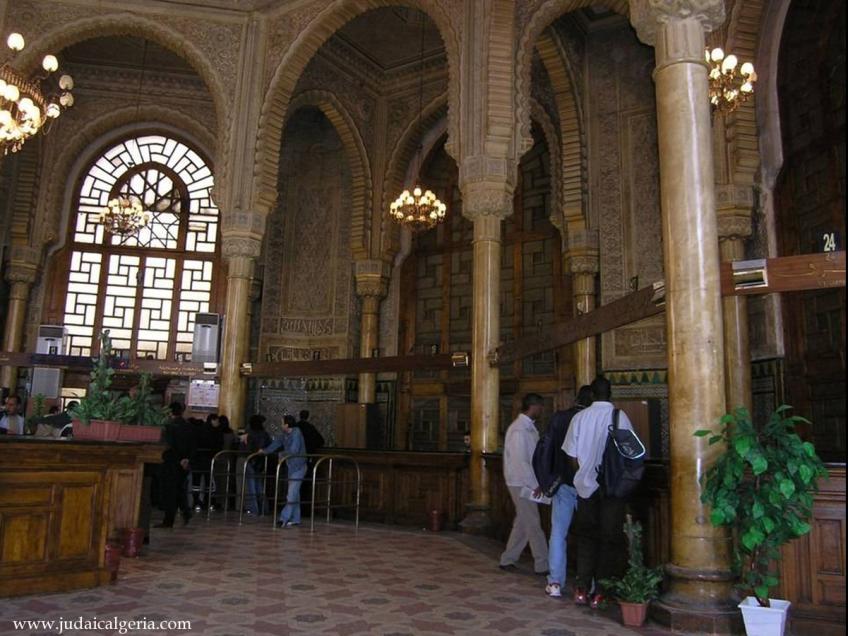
pixel 242 223
pixel 583 241
pixel 733 196
pixel 647 15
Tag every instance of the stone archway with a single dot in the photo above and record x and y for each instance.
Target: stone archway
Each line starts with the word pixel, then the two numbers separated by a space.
pixel 131 24
pixel 571 175
pixel 551 135
pixel 360 169
pixel 288 72
pixel 530 29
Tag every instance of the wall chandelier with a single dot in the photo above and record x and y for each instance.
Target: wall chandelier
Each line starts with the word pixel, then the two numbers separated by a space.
pixel 28 104
pixel 730 83
pixel 123 215
pixel 418 208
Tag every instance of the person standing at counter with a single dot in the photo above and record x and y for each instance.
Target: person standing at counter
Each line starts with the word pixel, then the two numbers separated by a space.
pixel 12 422
pixel 176 464
pixel 293 445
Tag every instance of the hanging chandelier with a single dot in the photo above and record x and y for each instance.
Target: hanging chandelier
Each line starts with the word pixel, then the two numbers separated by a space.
pixel 418 208
pixel 123 215
pixel 730 84
pixel 25 106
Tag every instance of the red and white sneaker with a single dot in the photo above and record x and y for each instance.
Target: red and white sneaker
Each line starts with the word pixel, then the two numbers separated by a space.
pixel 580 596
pixel 598 601
pixel 553 590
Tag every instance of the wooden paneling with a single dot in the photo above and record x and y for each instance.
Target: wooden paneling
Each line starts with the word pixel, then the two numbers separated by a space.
pixel 59 503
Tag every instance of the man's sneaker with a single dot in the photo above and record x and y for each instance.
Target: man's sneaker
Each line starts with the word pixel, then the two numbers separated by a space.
pixel 553 590
pixel 599 601
pixel 580 596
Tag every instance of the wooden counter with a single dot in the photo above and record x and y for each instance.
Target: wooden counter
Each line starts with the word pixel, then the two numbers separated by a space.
pixel 60 501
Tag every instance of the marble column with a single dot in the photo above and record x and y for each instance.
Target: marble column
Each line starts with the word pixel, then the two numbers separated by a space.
pixel 698 595
pixel 240 254
pixel 21 275
pixel 372 284
pixel 486 204
pixel 582 260
pixel 734 227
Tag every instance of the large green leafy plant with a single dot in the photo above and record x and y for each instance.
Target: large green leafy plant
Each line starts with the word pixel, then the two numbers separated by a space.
pixel 140 407
pixel 762 486
pixel 98 403
pixel 640 583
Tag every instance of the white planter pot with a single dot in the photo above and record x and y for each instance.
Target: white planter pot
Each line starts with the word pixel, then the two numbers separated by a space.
pixel 764 621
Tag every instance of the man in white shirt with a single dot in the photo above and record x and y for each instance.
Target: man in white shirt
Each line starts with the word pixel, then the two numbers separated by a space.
pixel 599 521
pixel 12 422
pixel 519 444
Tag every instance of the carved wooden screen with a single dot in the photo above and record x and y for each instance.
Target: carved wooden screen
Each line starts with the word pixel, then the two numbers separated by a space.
pixel 145 288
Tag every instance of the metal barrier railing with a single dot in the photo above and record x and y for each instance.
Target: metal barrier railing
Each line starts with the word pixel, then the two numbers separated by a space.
pixel 231 457
pixel 315 481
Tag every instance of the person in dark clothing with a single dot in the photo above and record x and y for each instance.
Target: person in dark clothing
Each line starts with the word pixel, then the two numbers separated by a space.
pixel 314 443
pixel 255 473
pixel 311 435
pixel 226 483
pixel 210 440
pixel 176 464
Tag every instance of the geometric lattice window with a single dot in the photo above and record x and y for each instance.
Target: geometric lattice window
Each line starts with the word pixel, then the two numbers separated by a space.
pixel 145 288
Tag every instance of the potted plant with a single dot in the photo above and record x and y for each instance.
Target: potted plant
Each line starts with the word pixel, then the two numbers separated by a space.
pixel 39 408
pixel 143 420
pixel 762 487
pixel 639 585
pixel 97 415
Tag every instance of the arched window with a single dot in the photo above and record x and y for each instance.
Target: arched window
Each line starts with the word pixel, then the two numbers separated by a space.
pixel 145 288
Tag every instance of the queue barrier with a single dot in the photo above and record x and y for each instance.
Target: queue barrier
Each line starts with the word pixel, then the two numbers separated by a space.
pixel 323 503
pixel 231 457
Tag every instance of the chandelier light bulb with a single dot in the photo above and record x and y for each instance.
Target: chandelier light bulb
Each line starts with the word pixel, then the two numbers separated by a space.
pixel 16 42
pixel 729 64
pixel 12 93
pixel 50 63
pixel 66 100
pixel 53 110
pixel 746 69
pixel 5 117
pixel 66 82
pixel 716 55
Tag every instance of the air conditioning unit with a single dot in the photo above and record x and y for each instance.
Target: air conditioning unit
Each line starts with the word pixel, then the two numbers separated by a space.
pixel 206 342
pixel 51 340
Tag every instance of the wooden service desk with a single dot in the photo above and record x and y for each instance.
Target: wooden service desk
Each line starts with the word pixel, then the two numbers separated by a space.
pixel 60 501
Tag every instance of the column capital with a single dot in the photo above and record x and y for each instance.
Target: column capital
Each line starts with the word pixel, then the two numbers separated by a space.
pixel 647 15
pixel 582 255
pixel 234 246
pixel 488 186
pixel 243 222
pixel 21 271
pixel 371 277
pixel 734 204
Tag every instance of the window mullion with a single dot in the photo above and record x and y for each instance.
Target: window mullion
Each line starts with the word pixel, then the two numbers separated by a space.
pixel 139 299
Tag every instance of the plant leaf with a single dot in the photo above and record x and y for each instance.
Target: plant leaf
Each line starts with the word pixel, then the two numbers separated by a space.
pixel 752 538
pixel 759 464
pixel 702 432
pixel 787 488
pixel 742 445
pixel 758 510
pixel 768 524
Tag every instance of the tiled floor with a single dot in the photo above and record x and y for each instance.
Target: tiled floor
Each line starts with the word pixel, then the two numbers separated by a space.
pixel 251 579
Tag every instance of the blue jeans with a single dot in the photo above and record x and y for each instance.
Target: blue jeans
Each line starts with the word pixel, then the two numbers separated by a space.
pixel 562 510
pixel 291 511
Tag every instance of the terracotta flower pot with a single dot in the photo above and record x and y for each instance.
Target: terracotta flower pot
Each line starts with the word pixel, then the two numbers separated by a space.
pixel 132 539
pixel 633 614
pixel 101 430
pixel 436 519
pixel 132 433
pixel 113 560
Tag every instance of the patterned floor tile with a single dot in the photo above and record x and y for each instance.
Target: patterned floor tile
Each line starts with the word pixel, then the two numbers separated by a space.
pixel 251 579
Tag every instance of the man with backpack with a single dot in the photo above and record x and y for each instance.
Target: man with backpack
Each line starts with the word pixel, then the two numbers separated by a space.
pixel 556 479
pixel 599 520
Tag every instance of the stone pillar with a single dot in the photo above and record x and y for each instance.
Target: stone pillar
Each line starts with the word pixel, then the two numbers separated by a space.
pixel 486 203
pixel 582 261
pixel 734 204
pixel 240 253
pixel 699 592
pixel 372 284
pixel 21 274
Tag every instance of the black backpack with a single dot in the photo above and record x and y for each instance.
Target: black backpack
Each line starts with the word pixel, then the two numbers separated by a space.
pixel 623 463
pixel 550 463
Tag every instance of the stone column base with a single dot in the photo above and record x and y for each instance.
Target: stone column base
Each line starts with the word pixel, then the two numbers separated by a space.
pixel 687 619
pixel 477 521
